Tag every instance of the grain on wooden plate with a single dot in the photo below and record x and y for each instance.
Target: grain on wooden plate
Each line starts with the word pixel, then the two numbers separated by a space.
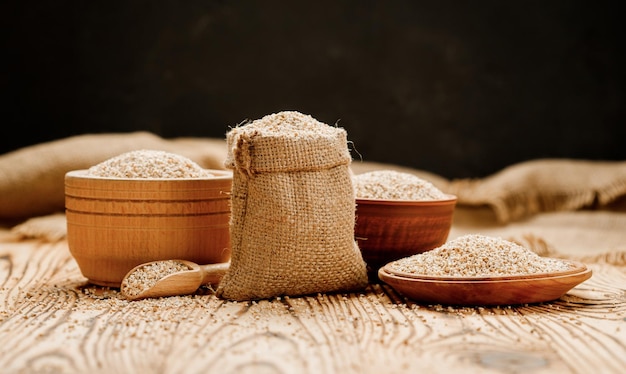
pixel 475 255
pixel 144 277
pixel 146 163
pixel 395 185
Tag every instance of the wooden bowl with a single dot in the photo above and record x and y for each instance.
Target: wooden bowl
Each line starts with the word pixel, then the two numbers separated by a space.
pixel 387 230
pixel 115 224
pixel 488 291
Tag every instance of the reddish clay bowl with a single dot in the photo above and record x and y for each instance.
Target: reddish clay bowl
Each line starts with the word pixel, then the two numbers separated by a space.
pixel 387 230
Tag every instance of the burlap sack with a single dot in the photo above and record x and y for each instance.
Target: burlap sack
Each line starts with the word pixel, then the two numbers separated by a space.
pixel 293 210
pixel 32 178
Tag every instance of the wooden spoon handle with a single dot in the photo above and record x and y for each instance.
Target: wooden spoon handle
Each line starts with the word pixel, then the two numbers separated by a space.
pixel 213 273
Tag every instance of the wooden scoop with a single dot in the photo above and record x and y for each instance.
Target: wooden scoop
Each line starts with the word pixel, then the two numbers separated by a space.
pixel 147 281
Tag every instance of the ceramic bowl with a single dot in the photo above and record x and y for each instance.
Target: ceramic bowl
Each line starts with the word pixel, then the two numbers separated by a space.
pixel 115 224
pixel 387 230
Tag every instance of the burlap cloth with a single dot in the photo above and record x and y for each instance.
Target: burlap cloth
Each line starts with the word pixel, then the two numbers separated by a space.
pixel 546 185
pixel 564 207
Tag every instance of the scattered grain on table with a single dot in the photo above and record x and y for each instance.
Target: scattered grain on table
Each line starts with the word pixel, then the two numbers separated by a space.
pixel 147 163
pixel 395 185
pixel 476 255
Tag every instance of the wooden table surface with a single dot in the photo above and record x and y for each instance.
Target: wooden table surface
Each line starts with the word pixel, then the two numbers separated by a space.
pixel 53 321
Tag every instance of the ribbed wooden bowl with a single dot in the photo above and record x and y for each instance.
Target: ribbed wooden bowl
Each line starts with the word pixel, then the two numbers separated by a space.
pixel 115 224
pixel 387 230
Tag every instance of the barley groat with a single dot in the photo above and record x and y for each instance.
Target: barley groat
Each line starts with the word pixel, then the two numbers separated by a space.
pixel 146 163
pixel 147 275
pixel 476 255
pixel 395 185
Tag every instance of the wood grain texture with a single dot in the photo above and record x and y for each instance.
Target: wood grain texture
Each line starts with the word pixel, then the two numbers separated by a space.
pixel 52 320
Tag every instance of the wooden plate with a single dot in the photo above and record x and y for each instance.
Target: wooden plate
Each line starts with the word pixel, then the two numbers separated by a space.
pixel 509 290
pixel 575 267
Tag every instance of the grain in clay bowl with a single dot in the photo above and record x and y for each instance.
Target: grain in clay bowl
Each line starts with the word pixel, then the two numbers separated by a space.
pixel 399 215
pixel 145 206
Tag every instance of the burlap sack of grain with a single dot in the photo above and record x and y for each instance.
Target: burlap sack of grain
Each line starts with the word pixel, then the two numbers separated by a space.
pixel 293 210
pixel 32 178
pixel 544 185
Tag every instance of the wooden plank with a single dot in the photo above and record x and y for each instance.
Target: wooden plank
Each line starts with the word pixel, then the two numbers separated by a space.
pixel 51 320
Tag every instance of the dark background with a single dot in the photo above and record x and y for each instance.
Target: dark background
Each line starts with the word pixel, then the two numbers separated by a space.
pixel 459 88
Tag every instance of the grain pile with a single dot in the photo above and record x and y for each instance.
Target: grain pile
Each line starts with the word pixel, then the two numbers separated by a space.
pixel 475 255
pixel 146 163
pixel 395 185
pixel 144 277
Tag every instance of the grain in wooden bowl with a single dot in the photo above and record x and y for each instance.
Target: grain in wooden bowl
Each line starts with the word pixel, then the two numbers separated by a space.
pixel 145 206
pixel 399 215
